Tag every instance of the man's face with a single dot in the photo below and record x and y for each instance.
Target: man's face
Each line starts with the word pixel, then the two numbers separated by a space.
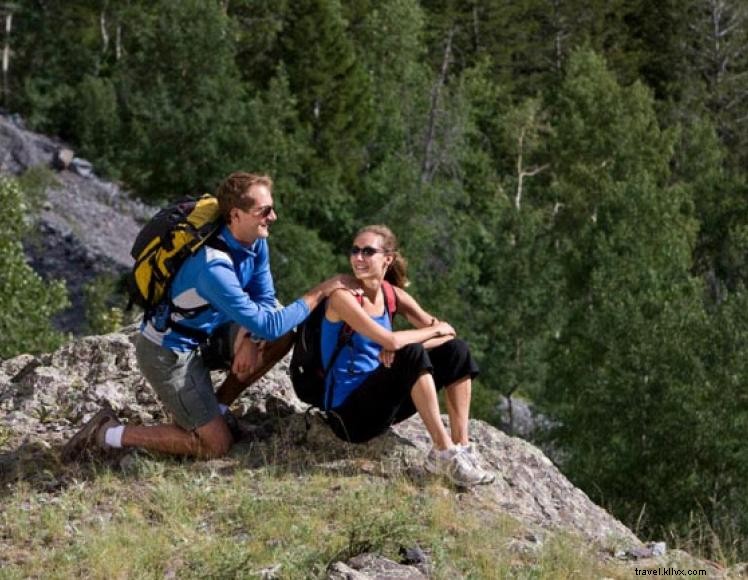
pixel 253 223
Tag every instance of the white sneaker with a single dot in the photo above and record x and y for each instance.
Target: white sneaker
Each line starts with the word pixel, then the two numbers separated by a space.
pixel 455 466
pixel 472 455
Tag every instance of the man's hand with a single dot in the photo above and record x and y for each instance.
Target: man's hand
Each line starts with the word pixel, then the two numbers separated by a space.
pixel 341 282
pixel 324 289
pixel 247 357
pixel 387 357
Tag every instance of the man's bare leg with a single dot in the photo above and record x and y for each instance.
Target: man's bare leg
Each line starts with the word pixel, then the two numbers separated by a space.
pixel 211 440
pixel 272 352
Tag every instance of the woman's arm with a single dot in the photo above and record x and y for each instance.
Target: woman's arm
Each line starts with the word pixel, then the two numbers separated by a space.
pixel 344 305
pixel 418 317
pixel 408 307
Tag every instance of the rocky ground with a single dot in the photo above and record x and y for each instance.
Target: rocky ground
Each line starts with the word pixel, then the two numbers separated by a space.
pixel 44 399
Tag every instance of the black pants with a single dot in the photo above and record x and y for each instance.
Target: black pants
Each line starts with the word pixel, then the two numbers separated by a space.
pixel 383 399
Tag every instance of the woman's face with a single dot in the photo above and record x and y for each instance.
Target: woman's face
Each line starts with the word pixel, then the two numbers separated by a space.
pixel 368 258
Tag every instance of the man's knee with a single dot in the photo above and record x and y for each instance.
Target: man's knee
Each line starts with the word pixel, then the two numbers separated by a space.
pixel 214 439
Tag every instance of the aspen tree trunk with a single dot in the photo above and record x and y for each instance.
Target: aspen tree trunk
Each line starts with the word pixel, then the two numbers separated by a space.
pixel 104 33
pixel 428 167
pixel 118 42
pixel 6 55
pixel 521 171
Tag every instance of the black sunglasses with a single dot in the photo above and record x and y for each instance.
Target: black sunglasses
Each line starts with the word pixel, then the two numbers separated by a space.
pixel 264 211
pixel 366 251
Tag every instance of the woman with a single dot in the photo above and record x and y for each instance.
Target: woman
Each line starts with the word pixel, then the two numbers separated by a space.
pixel 381 376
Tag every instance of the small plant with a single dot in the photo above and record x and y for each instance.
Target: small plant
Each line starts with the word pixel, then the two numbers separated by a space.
pixel 43 413
pixel 34 183
pixel 6 433
pixel 104 304
pixel 27 302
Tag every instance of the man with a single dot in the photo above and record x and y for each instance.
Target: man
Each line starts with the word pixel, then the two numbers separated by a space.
pixel 227 282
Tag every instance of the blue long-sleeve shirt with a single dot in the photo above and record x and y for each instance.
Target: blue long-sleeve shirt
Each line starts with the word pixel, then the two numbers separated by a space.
pixel 237 286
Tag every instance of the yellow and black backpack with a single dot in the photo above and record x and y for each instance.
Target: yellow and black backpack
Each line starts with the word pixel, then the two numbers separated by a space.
pixel 171 236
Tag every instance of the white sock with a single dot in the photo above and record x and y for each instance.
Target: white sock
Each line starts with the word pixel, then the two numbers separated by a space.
pixel 113 436
pixel 223 408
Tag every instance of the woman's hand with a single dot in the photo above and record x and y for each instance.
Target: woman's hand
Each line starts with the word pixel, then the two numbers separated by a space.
pixel 445 329
pixel 387 357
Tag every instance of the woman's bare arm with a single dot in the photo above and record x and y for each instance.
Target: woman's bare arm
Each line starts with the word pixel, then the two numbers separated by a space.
pixel 344 306
pixel 418 317
pixel 409 307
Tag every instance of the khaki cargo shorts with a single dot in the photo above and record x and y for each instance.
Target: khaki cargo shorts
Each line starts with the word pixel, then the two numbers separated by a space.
pixel 182 382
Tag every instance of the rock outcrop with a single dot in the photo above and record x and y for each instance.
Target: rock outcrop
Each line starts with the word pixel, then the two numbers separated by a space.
pixel 49 396
pixel 44 399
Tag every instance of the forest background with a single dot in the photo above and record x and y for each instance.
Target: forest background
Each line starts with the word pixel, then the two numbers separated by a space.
pixel 567 178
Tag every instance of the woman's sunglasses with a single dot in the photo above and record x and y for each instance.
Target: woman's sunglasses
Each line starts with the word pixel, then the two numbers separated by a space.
pixel 366 251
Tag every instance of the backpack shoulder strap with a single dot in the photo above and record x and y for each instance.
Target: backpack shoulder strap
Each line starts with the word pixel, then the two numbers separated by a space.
pixel 217 242
pixel 346 332
pixel 390 299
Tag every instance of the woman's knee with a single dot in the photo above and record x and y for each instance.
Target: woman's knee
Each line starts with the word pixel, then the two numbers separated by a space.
pixel 458 348
pixel 452 362
pixel 411 354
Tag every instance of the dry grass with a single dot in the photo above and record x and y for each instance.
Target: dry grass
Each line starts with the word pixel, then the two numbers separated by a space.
pixel 264 507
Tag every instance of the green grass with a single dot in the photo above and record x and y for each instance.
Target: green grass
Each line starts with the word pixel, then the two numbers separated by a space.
pixel 166 518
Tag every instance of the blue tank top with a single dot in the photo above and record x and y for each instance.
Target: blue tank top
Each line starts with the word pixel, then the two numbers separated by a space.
pixel 355 362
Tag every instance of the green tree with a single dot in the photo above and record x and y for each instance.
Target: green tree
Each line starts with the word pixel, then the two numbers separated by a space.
pixel 300 259
pixel 626 365
pixel 334 102
pixel 528 43
pixel 718 56
pixel 183 100
pixel 55 45
pixel 655 35
pixel 97 122
pixel 259 27
pixel 718 194
pixel 27 302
